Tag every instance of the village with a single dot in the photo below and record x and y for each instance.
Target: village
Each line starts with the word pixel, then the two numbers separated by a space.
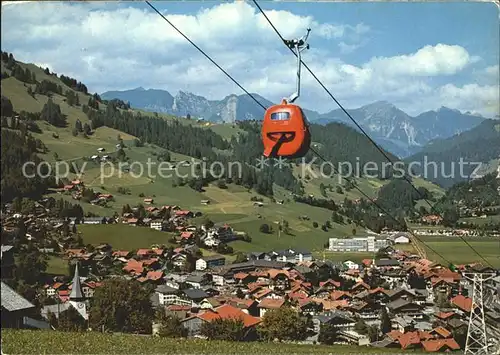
pixel 394 300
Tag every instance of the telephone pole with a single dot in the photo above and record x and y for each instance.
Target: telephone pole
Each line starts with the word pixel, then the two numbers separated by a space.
pixel 477 341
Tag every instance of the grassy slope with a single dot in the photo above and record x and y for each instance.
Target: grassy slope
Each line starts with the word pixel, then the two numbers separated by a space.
pixel 123 237
pixel 52 342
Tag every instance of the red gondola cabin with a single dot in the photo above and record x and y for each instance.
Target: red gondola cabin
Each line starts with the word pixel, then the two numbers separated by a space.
pixel 285 131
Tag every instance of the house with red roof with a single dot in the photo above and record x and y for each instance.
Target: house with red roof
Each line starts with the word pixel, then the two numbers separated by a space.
pixel 464 304
pixel 270 303
pixel 144 253
pixel 185 237
pixel 440 332
pixel 134 267
pixel 226 311
pixel 152 277
pixel 52 290
pixel 121 254
pixel 440 345
pixel 184 213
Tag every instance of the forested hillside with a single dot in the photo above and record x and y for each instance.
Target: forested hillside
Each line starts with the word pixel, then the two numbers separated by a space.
pixel 58 119
pixel 341 143
pixel 474 148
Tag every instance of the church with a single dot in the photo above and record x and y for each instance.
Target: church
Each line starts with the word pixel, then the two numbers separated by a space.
pixel 77 300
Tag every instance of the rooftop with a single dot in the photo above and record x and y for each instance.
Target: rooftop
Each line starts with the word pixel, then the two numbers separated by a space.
pixel 12 301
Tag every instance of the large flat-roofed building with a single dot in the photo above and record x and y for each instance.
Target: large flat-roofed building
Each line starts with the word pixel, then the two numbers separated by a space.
pixel 366 244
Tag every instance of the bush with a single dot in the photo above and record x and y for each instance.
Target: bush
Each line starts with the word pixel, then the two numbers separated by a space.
pixel 266 228
pixel 224 329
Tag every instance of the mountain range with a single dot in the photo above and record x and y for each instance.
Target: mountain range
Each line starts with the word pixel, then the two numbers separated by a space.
pixel 478 149
pixel 392 128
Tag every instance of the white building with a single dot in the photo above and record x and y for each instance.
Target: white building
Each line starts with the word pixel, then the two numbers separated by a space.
pixel 366 244
pixel 155 225
pixel 210 262
pixel 351 265
pixel 401 239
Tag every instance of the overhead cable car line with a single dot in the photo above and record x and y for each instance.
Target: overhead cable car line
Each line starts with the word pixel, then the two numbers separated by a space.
pixel 359 126
pixel 264 107
pixel 206 55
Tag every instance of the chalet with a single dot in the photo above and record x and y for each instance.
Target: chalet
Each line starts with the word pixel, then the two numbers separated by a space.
pixel 94 220
pixel 186 236
pixel 293 256
pixel 209 262
pixel 148 201
pixel 195 295
pixel 152 277
pixel 310 307
pixel 270 303
pixel 132 221
pixel 134 267
pixel 105 196
pixel 102 260
pixel 340 295
pixel 100 150
pixel 440 345
pixel 104 248
pixel 184 213
pixel 339 319
pixel 205 202
pixel 462 303
pixel 15 308
pixel 144 253
pixel 404 307
pixel 244 278
pixel 280 280
pixel 88 288
pixel 197 280
pixel 179 260
pixel 388 264
pixel 256 256
pixel 122 254
pixel 226 311
pixel 52 290
pixel 364 310
pixel 351 265
pixel 402 293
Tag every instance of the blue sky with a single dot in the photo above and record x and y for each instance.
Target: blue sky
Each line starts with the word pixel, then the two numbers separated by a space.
pixel 420 56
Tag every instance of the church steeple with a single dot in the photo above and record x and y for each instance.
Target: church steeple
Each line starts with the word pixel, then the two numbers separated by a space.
pixel 76 288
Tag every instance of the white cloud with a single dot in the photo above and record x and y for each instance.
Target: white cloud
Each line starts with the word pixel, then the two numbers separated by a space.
pixel 348 48
pixel 110 46
pixel 472 97
pixel 441 59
